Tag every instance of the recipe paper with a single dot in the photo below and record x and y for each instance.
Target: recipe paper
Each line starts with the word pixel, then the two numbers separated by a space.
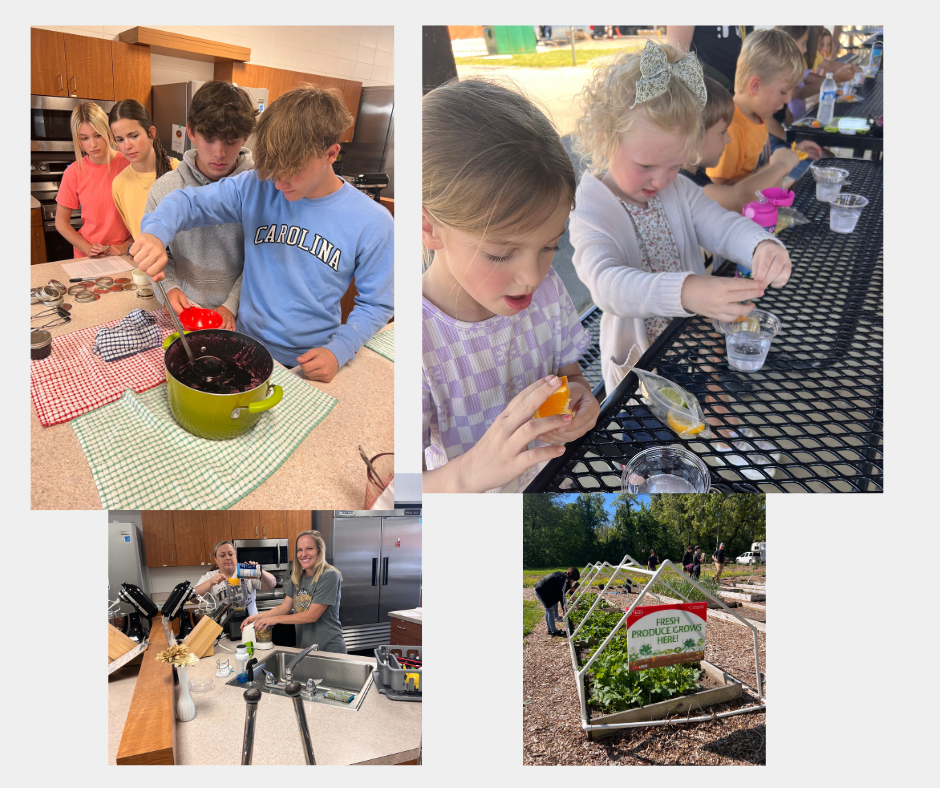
pixel 94 267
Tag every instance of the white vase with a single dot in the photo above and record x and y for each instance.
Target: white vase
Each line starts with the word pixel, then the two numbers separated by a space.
pixel 185 708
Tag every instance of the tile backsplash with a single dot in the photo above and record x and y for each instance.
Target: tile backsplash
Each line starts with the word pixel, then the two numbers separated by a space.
pixel 365 54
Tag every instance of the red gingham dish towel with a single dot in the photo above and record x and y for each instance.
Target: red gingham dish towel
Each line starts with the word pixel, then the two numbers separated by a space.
pixel 73 380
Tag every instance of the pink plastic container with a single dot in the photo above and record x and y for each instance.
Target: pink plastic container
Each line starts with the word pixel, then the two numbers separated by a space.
pixel 764 213
pixel 782 198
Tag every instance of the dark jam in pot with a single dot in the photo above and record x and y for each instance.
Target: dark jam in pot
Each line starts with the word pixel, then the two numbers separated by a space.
pixel 237 378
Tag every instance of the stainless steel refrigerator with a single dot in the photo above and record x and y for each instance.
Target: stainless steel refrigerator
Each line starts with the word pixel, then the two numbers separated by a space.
pixel 127 561
pixel 378 554
pixel 171 113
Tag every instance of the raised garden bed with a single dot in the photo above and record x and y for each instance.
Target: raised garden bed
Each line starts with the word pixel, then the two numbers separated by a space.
pixel 716 687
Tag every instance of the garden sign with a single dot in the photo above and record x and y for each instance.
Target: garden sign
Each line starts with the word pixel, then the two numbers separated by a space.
pixel 659 635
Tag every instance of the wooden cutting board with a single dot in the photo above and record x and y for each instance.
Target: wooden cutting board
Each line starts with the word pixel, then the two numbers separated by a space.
pixel 118 643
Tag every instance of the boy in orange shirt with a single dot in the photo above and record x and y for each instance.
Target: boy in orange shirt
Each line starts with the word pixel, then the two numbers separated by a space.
pixel 769 67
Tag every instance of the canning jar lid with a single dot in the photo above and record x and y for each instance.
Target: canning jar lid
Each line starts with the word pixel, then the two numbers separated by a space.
pixel 40 339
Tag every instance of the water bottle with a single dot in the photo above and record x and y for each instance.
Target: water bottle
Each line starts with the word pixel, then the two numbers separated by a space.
pixel 241 656
pixel 827 100
pixel 875 62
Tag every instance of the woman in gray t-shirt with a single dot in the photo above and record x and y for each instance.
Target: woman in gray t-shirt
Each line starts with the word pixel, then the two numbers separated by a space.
pixel 311 599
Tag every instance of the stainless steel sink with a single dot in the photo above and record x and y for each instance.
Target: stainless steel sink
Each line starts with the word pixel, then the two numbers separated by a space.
pixel 330 673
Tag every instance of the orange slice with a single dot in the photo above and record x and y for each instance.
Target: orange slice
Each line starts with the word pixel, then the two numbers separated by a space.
pixel 799 154
pixel 557 403
pixel 684 427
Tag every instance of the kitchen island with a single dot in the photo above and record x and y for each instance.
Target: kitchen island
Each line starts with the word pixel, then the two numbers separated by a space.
pixel 380 732
pixel 324 472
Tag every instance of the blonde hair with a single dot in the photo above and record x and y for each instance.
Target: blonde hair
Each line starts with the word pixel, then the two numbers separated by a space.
pixel 720 105
pixel 606 115
pixel 491 160
pixel 319 566
pixel 90 113
pixel 770 55
pixel 298 126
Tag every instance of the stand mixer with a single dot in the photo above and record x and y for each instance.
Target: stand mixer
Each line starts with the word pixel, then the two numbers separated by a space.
pixel 173 608
pixel 143 605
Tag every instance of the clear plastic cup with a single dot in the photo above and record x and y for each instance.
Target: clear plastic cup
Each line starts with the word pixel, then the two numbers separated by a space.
pixel 859 78
pixel 665 469
pixel 844 212
pixel 748 339
pixel 829 182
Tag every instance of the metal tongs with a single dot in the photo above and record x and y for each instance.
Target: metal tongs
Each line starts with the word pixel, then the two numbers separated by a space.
pixel 60 321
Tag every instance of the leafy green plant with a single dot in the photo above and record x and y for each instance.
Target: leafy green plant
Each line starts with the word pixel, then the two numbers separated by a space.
pixel 684 587
pixel 615 688
pixel 600 625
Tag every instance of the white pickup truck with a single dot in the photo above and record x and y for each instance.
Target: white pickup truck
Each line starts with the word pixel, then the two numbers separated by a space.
pixel 750 557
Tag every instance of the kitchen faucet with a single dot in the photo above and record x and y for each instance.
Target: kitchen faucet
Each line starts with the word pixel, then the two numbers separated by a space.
pixel 289 670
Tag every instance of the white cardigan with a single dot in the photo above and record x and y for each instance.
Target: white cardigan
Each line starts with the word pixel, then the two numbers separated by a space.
pixel 608 259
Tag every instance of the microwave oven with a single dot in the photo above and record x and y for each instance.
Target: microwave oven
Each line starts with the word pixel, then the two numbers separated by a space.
pixel 50 124
pixel 272 554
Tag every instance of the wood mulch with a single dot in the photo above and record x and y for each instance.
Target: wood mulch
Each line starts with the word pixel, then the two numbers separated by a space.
pixel 552 714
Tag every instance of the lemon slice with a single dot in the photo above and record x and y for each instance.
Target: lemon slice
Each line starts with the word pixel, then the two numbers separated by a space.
pixel 684 427
pixel 750 323
pixel 673 396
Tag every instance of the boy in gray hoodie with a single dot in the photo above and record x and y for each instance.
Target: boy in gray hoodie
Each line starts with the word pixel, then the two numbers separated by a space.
pixel 205 264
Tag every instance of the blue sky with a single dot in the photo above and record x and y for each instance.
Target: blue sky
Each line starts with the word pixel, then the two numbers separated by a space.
pixel 610 500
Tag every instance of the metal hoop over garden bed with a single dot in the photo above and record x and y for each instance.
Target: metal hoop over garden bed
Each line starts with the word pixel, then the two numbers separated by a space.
pixel 593 572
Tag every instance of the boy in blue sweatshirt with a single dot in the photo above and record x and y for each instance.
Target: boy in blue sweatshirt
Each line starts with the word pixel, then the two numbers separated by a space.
pixel 307 234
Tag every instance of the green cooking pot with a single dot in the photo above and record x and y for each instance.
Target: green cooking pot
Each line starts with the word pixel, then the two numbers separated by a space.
pixel 224 409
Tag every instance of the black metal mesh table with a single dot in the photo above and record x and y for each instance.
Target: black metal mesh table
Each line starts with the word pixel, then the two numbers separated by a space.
pixel 869 106
pixel 811 419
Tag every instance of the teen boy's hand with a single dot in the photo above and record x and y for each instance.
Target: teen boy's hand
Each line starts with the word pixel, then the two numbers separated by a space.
pixel 319 364
pixel 502 454
pixel 718 296
pixel 149 253
pixel 770 264
pixel 585 407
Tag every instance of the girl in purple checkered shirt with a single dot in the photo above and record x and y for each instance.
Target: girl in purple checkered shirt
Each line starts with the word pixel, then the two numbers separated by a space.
pixel 498 326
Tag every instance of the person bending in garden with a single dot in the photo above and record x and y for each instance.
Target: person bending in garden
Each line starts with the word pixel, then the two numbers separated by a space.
pixel 550 591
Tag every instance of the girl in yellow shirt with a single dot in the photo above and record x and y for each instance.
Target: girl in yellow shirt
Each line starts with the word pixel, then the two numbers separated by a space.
pixel 137 140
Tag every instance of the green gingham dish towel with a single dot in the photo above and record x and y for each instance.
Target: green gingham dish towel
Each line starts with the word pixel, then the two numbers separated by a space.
pixel 383 344
pixel 142 459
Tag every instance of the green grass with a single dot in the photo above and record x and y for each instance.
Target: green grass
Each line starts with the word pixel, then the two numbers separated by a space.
pixel 531 576
pixel 531 615
pixel 555 58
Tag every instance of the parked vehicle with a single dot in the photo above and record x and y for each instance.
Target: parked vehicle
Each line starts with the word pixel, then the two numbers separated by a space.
pixel 749 557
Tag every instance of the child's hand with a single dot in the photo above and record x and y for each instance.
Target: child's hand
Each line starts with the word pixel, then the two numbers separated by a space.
pixel 319 364
pixel 502 454
pixel 586 409
pixel 178 300
pixel 718 296
pixel 770 264
pixel 149 254
pixel 785 157
pixel 811 149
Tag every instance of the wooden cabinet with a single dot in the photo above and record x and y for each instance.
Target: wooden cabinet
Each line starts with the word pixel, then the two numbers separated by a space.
pixel 273 525
pixel 88 67
pixel 404 633
pixel 216 527
pixel 37 238
pixel 278 81
pixel 246 525
pixel 159 538
pixel 131 64
pixel 297 523
pixel 47 63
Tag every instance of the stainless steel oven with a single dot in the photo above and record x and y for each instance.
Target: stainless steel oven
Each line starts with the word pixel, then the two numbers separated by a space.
pixel 50 121
pixel 272 554
pixel 46 174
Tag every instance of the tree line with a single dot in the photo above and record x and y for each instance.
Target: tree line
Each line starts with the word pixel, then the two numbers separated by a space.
pixel 556 532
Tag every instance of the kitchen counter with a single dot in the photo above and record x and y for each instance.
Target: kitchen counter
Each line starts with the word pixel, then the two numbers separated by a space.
pixel 34 203
pixel 324 472
pixel 381 732
pixel 414 615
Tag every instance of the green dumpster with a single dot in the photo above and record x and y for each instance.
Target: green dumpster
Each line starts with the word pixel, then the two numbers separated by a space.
pixel 509 39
